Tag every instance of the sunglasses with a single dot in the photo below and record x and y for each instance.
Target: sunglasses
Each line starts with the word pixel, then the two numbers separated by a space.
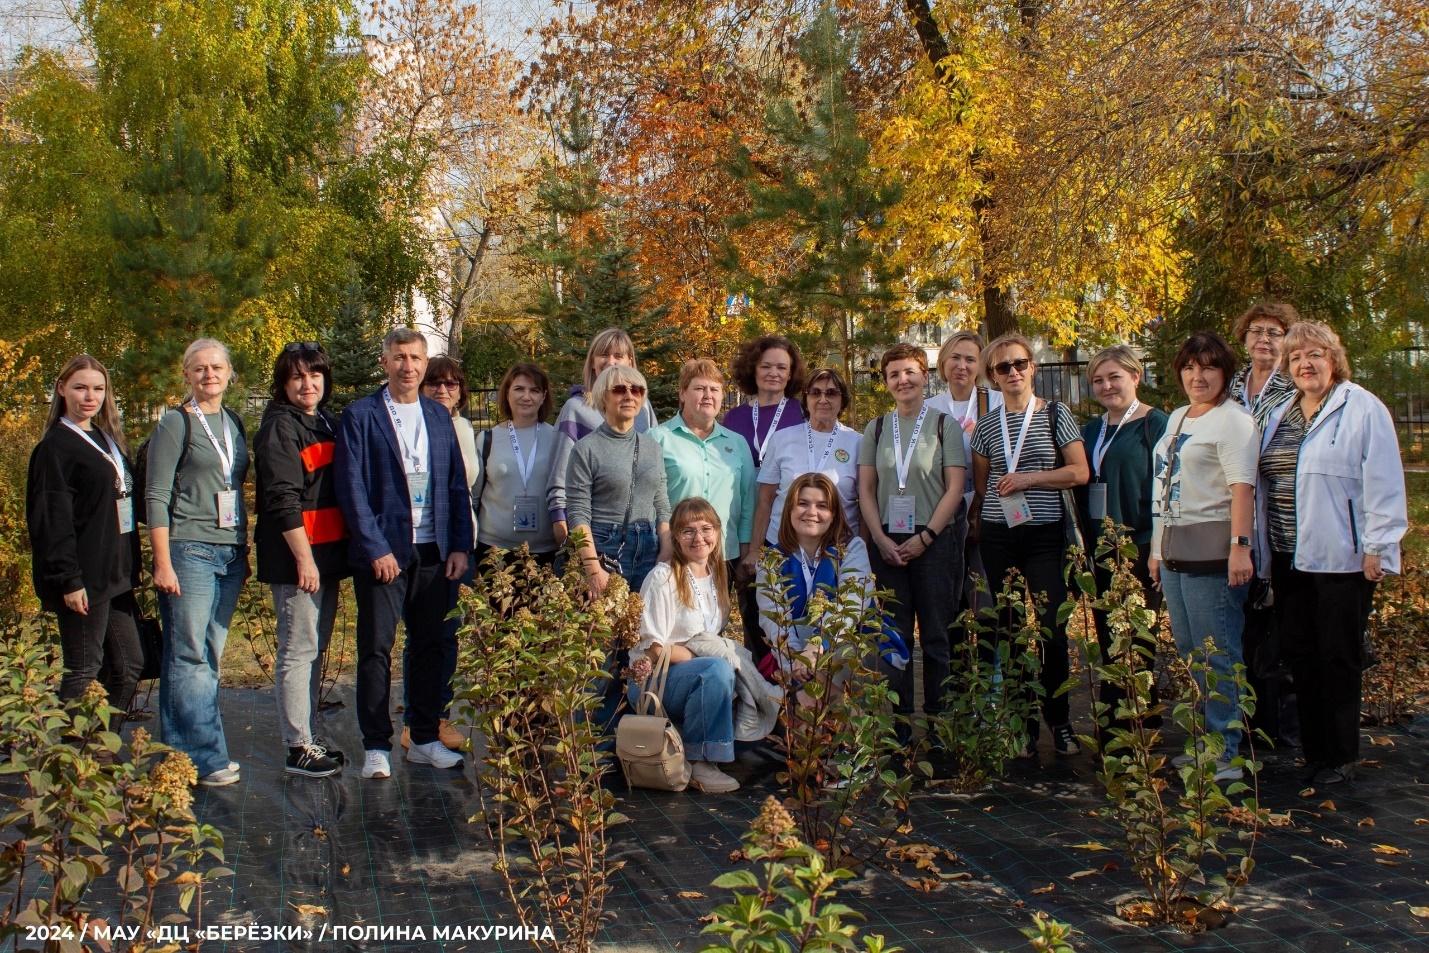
pixel 817 392
pixel 634 390
pixel 443 385
pixel 1007 367
pixel 298 347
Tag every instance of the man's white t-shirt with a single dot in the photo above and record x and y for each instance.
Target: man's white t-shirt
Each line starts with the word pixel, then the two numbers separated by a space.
pixel 416 453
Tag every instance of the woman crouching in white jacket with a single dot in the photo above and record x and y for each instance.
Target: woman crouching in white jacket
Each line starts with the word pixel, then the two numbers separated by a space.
pixel 1332 511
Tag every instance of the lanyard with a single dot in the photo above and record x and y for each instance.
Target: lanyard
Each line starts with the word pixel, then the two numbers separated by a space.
pixel 773 426
pixel 115 458
pixel 969 411
pixel 225 458
pixel 1103 444
pixel 1009 454
pixel 828 447
pixel 409 451
pixel 809 573
pixel 900 462
pixel 708 615
pixel 523 466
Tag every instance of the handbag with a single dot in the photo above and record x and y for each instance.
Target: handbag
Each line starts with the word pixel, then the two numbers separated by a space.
pixel 650 749
pixel 1191 547
pixel 151 642
pixel 609 563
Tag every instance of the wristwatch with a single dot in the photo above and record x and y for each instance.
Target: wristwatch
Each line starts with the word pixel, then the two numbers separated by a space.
pixel 1241 541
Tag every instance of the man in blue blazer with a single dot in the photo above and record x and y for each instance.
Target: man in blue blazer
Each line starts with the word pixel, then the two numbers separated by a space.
pixel 402 487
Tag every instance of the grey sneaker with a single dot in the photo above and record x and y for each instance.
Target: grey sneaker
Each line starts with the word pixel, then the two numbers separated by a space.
pixel 708 778
pixel 221 778
pixel 1225 771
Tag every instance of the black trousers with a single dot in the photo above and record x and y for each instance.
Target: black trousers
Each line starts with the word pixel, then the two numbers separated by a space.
pixel 929 590
pixel 1036 551
pixel 1322 617
pixel 104 646
pixel 1110 693
pixel 420 598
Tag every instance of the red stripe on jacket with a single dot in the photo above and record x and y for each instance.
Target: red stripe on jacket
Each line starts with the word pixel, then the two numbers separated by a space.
pixel 318 455
pixel 325 525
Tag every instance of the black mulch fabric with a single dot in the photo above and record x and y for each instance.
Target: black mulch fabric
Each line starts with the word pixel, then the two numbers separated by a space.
pixel 402 853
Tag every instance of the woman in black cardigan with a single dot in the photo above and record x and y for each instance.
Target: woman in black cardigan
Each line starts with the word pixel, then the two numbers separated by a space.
pixel 79 504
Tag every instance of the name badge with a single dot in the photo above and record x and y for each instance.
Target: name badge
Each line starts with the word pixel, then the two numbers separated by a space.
pixel 419 488
pixel 526 514
pixel 902 513
pixel 227 501
pixel 1096 501
pixel 1015 509
pixel 124 509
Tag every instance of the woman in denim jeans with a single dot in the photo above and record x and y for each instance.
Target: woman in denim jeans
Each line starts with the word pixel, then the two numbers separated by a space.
pixel 198 458
pixel 302 545
pixel 615 486
pixel 1203 502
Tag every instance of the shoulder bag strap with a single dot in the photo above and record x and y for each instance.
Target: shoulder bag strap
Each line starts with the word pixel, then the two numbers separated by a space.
pixel 485 455
pixel 1171 452
pixel 629 500
pixel 654 688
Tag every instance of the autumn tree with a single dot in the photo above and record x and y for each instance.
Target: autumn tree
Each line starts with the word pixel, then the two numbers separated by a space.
pixel 833 287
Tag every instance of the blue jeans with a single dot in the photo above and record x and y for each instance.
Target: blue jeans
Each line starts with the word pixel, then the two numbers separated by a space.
pixel 195 628
pixel 637 557
pixel 1203 604
pixel 699 697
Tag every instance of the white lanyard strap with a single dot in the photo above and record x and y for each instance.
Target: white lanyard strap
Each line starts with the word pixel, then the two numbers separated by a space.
pixel 225 453
pixel 1103 444
pixel 1009 453
pixel 969 411
pixel 809 572
pixel 115 458
pixel 410 451
pixel 828 448
pixel 773 426
pixel 709 615
pixel 523 466
pixel 900 461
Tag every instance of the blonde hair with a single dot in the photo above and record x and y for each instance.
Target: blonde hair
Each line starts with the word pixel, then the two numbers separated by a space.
pixel 204 344
pixel 614 374
pixel 107 420
pixel 946 350
pixel 1302 333
pixel 700 368
pixel 989 354
pixel 686 512
pixel 609 341
pixel 1118 354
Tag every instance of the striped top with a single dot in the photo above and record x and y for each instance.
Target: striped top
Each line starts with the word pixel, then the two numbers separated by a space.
pixel 1276 390
pixel 1039 454
pixel 1278 463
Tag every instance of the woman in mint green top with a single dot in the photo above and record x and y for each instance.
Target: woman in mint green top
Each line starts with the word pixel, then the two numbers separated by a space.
pixel 198 459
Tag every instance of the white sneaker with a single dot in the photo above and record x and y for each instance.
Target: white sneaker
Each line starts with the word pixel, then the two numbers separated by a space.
pixel 376 766
pixel 434 753
pixel 220 778
pixel 708 778
pixel 1225 771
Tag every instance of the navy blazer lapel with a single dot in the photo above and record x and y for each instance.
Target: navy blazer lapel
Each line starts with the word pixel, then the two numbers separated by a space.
pixel 384 424
pixel 434 413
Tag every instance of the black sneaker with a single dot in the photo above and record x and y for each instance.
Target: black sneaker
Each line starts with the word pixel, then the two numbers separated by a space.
pixel 1064 741
pixel 331 750
pixel 312 761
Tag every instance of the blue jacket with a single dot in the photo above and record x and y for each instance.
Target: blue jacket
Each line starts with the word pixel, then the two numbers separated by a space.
pixel 372 486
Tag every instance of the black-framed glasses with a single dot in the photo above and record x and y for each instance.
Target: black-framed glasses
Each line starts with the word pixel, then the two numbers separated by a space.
pixel 1007 367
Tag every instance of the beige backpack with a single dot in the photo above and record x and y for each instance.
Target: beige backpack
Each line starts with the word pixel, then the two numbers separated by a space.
pixel 649 747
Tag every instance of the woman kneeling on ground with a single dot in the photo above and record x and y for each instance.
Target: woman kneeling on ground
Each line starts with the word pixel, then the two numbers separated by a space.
pixel 684 598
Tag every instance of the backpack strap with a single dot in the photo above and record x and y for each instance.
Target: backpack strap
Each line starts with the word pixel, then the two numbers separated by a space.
pixel 877 433
pixel 982 401
pixel 486 442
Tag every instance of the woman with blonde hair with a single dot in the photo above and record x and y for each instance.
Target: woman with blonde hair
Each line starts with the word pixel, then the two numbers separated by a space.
pixel 79 506
pixel 198 526
pixel 1332 512
pixel 580 416
pixel 685 598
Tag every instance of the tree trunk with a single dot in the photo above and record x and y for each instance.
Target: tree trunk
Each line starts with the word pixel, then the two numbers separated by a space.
pixel 460 303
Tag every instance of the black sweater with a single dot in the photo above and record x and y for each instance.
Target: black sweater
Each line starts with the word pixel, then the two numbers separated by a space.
pixel 293 452
pixel 74 526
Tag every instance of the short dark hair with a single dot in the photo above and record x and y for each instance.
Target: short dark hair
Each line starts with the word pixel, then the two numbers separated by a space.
pixel 746 364
pixel 829 374
pixel 1208 349
pixel 538 377
pixel 445 368
pixel 297 358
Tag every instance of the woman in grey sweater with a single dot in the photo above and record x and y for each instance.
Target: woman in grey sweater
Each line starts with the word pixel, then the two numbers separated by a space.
pixel 510 496
pixel 616 486
pixel 198 458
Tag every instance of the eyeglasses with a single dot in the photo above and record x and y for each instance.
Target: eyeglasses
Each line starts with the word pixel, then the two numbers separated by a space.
pixel 692 533
pixel 816 392
pixel 1270 334
pixel 1007 367
pixel 633 390
pixel 300 346
pixel 443 385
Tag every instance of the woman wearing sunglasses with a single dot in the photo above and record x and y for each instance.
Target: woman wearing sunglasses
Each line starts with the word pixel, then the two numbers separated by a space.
pixel 616 487
pixel 1024 455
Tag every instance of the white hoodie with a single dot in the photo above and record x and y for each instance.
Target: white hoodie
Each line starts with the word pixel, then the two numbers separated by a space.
pixel 1349 487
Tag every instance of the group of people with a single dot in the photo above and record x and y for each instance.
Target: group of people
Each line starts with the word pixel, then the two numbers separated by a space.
pixel 1282 467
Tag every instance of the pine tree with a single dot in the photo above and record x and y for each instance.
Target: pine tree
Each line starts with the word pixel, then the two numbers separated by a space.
pixel 354 343
pixel 588 279
pixel 183 266
pixel 836 291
